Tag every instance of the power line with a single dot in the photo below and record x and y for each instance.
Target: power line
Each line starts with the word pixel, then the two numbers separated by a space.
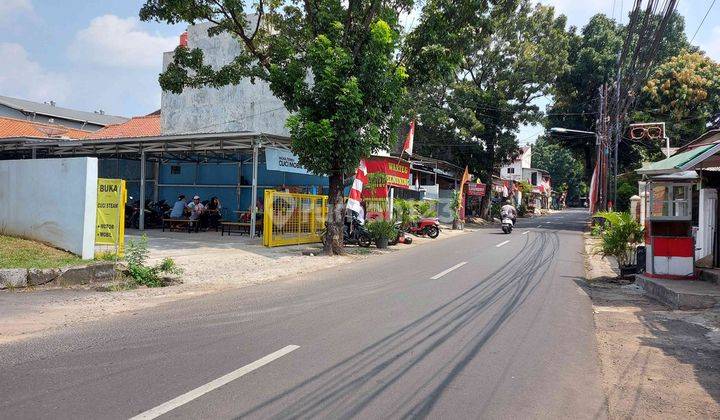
pixel 702 21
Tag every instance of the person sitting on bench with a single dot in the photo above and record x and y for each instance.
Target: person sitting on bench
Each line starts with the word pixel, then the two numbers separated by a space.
pixel 196 209
pixel 178 209
pixel 211 217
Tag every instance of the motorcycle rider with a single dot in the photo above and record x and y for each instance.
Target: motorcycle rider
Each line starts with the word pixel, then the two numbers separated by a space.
pixel 508 210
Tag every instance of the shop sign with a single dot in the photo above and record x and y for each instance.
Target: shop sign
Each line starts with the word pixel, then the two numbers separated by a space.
pixel 110 224
pixel 476 189
pixel 397 171
pixel 284 161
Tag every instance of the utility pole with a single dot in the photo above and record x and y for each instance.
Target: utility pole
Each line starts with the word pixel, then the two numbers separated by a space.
pixel 599 146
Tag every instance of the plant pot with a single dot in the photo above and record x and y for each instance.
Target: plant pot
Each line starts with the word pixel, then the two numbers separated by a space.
pixel 381 243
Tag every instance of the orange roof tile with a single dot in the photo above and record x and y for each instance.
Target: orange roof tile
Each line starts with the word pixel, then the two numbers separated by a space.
pixel 146 126
pixel 13 127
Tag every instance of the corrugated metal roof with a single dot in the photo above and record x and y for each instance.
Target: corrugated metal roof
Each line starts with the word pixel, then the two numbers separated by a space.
pixel 60 112
pixel 678 162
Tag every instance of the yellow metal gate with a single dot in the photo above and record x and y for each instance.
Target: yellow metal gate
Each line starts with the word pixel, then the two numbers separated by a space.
pixel 292 219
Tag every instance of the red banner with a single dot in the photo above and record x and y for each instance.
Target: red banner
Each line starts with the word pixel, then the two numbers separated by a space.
pixel 476 189
pixel 396 170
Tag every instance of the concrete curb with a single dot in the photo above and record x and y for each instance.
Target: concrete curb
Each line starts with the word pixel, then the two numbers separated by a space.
pixel 11 278
pixel 680 294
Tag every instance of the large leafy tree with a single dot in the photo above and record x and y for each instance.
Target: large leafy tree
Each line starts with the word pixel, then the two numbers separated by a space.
pixel 334 64
pixel 592 63
pixel 685 93
pixel 511 60
pixel 564 169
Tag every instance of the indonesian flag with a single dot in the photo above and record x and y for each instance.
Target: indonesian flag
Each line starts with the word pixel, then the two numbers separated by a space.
pixel 355 197
pixel 593 194
pixel 408 145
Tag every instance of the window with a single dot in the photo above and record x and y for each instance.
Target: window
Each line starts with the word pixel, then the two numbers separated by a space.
pixel 670 201
pixel 534 178
pixel 174 169
pixel 510 170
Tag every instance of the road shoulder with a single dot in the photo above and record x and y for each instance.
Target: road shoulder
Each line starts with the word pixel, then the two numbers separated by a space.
pixel 655 362
pixel 26 313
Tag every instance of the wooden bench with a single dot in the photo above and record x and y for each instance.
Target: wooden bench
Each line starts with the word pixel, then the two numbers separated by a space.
pixel 173 224
pixel 239 228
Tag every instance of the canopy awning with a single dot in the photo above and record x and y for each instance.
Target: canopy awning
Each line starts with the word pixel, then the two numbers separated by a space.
pixel 681 162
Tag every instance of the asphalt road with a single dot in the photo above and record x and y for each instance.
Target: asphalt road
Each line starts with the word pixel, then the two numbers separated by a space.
pixel 483 325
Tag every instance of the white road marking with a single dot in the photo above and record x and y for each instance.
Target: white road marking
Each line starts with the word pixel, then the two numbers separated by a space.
pixel 526 232
pixel 212 385
pixel 539 226
pixel 442 273
pixel 501 244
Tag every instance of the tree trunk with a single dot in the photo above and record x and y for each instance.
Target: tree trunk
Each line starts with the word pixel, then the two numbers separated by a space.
pixel 485 203
pixel 334 223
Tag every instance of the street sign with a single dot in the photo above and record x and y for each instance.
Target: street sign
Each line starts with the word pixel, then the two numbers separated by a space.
pixel 476 189
pixel 110 224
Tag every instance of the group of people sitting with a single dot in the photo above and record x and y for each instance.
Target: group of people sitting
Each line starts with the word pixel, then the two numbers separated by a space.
pixel 208 214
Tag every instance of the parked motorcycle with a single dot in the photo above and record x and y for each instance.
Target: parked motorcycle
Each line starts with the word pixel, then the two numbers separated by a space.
pixel 400 237
pixel 429 226
pixel 153 214
pixel 354 233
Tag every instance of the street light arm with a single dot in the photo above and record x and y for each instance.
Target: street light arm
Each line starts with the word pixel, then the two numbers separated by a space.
pixel 562 130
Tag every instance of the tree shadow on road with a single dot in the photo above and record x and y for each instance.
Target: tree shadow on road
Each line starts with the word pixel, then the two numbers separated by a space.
pixel 350 386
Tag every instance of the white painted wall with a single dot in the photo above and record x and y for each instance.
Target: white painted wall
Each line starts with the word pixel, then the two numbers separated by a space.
pixel 52 201
pixel 522 161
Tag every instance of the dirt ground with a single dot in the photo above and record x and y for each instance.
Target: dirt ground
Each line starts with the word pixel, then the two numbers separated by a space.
pixel 656 363
pixel 211 264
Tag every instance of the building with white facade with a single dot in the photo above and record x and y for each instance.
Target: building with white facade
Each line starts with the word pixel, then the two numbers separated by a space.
pixel 514 171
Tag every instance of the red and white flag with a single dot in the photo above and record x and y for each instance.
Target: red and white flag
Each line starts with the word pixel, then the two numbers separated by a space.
pixel 409 139
pixel 593 193
pixel 355 197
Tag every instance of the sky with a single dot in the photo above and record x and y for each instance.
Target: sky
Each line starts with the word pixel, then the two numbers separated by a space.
pixel 96 55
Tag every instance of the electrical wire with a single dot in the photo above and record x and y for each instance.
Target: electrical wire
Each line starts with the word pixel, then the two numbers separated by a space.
pixel 702 21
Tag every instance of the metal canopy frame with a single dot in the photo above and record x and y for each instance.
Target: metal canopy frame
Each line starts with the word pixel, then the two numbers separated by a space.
pixel 154 148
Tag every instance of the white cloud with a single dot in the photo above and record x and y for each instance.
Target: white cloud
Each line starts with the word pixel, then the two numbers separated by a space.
pixel 10 9
pixel 24 78
pixel 116 42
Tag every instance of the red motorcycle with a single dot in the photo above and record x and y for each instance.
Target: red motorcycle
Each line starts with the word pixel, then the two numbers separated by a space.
pixel 429 226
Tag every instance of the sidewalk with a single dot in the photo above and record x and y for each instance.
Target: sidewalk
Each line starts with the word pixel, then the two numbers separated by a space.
pixel 656 362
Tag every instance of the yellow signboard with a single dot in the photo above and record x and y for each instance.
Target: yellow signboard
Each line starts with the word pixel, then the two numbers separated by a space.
pixel 110 224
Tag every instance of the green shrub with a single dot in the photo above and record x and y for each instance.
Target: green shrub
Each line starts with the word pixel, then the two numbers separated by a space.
pixel 381 229
pixel 403 210
pixel 522 210
pixel 426 208
pixel 136 256
pixel 455 204
pixel 620 236
pixel 495 210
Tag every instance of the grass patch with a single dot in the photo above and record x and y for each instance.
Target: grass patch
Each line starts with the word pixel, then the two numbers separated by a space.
pixel 23 253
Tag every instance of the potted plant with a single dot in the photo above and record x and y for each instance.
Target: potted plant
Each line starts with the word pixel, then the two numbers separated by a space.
pixel 381 232
pixel 620 234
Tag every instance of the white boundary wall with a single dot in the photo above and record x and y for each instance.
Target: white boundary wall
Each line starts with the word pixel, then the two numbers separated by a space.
pixel 52 201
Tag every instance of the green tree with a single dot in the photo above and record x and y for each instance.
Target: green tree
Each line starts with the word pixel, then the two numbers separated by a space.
pixel 563 167
pixel 511 60
pixel 685 93
pixel 333 64
pixel 592 62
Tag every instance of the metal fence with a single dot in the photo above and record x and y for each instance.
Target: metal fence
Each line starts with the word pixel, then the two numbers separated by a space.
pixel 292 219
